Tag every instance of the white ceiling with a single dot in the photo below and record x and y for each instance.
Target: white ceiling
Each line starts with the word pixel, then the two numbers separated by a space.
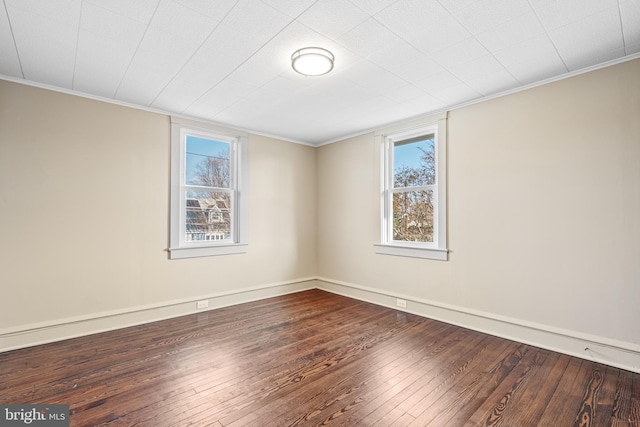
pixel 228 61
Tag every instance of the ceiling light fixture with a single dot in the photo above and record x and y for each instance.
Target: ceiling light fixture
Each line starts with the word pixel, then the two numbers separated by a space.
pixel 312 61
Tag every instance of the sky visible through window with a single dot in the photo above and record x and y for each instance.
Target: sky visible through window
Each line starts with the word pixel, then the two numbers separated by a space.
pixel 197 150
pixel 410 154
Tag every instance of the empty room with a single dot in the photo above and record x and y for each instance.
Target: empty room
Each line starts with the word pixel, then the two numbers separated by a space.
pixel 320 212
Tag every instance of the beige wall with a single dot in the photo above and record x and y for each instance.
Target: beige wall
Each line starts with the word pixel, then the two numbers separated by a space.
pixel 84 189
pixel 544 209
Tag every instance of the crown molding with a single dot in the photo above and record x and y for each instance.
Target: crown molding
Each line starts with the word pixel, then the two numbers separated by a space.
pixel 341 138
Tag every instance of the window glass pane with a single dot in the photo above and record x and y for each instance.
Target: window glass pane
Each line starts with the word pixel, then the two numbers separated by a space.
pixel 414 162
pixel 413 216
pixel 208 216
pixel 207 162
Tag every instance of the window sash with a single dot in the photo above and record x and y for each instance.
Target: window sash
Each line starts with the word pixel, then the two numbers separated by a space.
pixel 390 189
pixel 207 242
pixel 184 188
pixel 389 231
pixel 232 141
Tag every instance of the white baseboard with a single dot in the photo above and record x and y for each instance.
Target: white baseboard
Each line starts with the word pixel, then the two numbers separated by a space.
pixel 618 354
pixel 72 327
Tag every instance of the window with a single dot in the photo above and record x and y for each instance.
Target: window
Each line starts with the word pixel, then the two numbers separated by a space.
pixel 413 212
pixel 208 200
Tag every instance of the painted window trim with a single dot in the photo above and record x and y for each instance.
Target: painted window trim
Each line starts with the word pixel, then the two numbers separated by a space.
pixel 436 250
pixel 178 249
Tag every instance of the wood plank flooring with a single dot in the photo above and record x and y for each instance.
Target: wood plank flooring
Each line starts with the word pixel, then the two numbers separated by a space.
pixel 314 358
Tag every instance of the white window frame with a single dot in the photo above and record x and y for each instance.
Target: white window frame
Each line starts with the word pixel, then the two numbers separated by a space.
pixel 437 249
pixel 178 246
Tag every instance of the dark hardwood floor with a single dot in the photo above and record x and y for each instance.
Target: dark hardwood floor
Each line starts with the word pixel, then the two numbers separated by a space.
pixel 315 358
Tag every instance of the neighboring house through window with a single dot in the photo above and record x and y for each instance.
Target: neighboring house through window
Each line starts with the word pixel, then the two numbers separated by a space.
pixel 413 199
pixel 208 196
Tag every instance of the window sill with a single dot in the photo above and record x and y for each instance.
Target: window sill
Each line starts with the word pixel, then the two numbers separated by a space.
pixel 203 251
pixel 412 252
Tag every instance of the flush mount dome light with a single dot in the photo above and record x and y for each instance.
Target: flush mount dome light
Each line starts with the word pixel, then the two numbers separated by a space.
pixel 312 61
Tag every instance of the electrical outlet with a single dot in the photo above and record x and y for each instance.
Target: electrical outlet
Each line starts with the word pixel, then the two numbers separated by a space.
pixel 202 304
pixel 401 303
